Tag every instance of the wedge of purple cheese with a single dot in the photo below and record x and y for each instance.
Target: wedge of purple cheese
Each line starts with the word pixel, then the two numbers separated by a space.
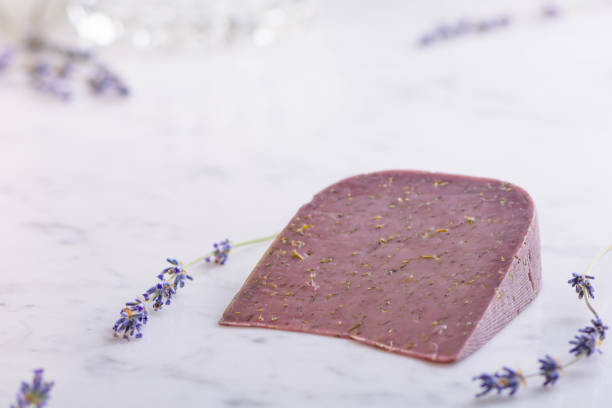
pixel 422 264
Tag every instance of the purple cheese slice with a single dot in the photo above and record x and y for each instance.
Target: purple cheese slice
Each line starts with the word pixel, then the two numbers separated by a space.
pixel 427 265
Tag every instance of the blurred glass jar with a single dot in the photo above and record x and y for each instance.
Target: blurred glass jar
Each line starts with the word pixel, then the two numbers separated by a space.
pixel 25 16
pixel 202 24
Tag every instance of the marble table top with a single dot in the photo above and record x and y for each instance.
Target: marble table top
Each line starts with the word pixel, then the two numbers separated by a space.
pixel 94 195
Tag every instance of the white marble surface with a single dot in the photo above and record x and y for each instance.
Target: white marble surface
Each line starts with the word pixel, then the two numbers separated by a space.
pixel 95 195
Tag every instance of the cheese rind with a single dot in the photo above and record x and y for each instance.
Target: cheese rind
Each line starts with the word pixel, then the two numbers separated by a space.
pixel 427 265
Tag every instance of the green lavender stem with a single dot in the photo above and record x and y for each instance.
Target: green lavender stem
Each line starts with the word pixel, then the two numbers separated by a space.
pixel 238 245
pixel 597 258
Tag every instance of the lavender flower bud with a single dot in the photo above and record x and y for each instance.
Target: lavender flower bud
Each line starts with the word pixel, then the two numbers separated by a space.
pixel 35 394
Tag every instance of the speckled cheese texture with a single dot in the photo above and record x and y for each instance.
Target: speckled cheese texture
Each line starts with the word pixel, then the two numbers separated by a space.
pixel 427 265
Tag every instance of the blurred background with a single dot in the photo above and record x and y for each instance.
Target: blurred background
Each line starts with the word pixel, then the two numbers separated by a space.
pixel 135 130
pixel 281 90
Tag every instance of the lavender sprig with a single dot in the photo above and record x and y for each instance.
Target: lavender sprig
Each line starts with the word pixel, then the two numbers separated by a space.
pixel 221 252
pixel 52 66
pixel 161 295
pixel 6 57
pixel 463 27
pixel 591 338
pixel 550 369
pixel 135 315
pixel 35 394
pixel 104 82
pixel 550 10
pixel 488 382
pixel 509 379
pixel 597 329
pixel 50 80
pixel 582 285
pixel 176 273
pixel 584 344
